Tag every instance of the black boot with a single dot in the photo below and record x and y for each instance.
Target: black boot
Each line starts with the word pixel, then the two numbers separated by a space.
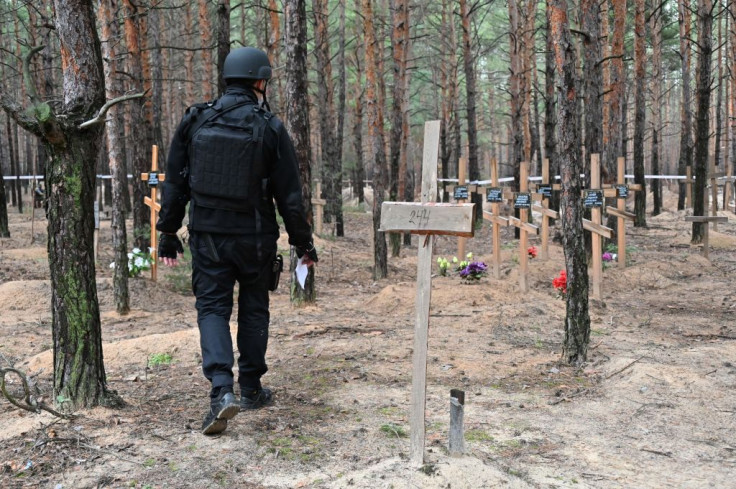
pixel 222 408
pixel 255 398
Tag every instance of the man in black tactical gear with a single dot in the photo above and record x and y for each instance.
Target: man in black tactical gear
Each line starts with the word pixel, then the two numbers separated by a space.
pixel 230 160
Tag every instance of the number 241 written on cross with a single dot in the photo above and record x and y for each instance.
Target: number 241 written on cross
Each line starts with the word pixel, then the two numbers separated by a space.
pixel 419 218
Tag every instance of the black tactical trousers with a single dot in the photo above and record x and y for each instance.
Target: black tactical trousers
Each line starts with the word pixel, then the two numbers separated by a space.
pixel 218 261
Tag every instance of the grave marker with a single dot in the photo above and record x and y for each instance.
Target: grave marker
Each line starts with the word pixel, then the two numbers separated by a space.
pixel 427 218
pixel 594 201
pixel 689 186
pixel 495 196
pixel 621 191
pixel 713 175
pixel 153 178
pixel 545 190
pixel 523 202
pixel 461 197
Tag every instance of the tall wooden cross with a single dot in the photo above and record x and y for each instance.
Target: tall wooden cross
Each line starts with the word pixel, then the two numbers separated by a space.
pixel 593 200
pixel 495 196
pixel 544 190
pixel 153 178
pixel 621 191
pixel 523 202
pixel 707 220
pixel 460 193
pixel 429 219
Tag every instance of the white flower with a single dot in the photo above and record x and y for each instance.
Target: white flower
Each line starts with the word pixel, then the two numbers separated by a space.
pixel 130 256
pixel 112 265
pixel 150 250
pixel 136 250
pixel 139 262
pixel 130 267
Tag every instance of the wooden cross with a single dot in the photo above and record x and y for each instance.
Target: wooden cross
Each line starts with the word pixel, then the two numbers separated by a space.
pixel 318 212
pixel 594 201
pixel 544 190
pixel 495 196
pixel 621 191
pixel 429 219
pixel 153 178
pixel 523 202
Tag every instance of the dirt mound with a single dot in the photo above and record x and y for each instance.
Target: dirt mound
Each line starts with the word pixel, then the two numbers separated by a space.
pixel 29 296
pixel 398 298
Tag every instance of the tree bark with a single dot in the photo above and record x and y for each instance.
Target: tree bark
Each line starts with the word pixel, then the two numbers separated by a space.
pixel 686 124
pixel 205 28
pixel 702 114
pixel 577 318
pixel 550 111
pixel 470 89
pixel 593 76
pixel 4 229
pixel 377 144
pixel 400 45
pixel 115 134
pixel 79 374
pixel 640 202
pixel 656 84
pixel 359 87
pixel 297 122
pixel 331 160
pixel 223 40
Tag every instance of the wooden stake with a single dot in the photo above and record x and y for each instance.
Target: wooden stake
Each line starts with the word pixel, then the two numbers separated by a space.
pixel 689 187
pixel 457 415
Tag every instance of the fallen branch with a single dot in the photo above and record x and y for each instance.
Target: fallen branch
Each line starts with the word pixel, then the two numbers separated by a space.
pixel 31 404
pixel 626 367
pixel 100 117
pixel 567 398
pixel 657 452
pixel 710 336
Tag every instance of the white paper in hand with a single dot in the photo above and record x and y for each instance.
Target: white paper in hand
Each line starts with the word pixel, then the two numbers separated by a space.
pixel 301 272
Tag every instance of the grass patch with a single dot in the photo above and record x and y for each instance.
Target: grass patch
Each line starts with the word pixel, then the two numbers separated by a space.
pixel 477 436
pixel 158 359
pixel 393 429
pixel 179 278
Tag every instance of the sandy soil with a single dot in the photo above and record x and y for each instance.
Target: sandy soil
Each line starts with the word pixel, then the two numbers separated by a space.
pixel 654 407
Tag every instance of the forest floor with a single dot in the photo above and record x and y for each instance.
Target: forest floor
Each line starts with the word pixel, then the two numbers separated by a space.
pixel 654 406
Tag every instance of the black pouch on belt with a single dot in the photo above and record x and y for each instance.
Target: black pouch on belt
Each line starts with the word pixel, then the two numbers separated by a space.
pixel 277 266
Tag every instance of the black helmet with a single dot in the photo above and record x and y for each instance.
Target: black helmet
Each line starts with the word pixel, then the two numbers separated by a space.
pixel 247 64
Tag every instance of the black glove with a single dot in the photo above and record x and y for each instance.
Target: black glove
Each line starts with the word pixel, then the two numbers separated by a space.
pixel 169 245
pixel 309 250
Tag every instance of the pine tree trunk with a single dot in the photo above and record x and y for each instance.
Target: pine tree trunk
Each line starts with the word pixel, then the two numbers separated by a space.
pixel 109 24
pixel 640 202
pixel 656 84
pixel 702 114
pixel 686 127
pixel 593 78
pixel 359 171
pixel 470 88
pixel 156 74
pixel 139 137
pixel 341 95
pixel 4 229
pixel 297 122
pixel 550 112
pixel 331 160
pixel 79 374
pixel 399 44
pixel 377 144
pixel 188 55
pixel 577 318
pixel 223 40
pixel 205 28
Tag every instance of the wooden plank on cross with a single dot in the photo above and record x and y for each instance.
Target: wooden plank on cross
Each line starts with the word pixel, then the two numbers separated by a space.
pixel 523 202
pixel 495 196
pixel 689 186
pixel 544 189
pixel 595 202
pixel 153 178
pixel 713 175
pixel 390 212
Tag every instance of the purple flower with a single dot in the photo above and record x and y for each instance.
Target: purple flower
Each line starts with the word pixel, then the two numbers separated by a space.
pixel 607 256
pixel 474 270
